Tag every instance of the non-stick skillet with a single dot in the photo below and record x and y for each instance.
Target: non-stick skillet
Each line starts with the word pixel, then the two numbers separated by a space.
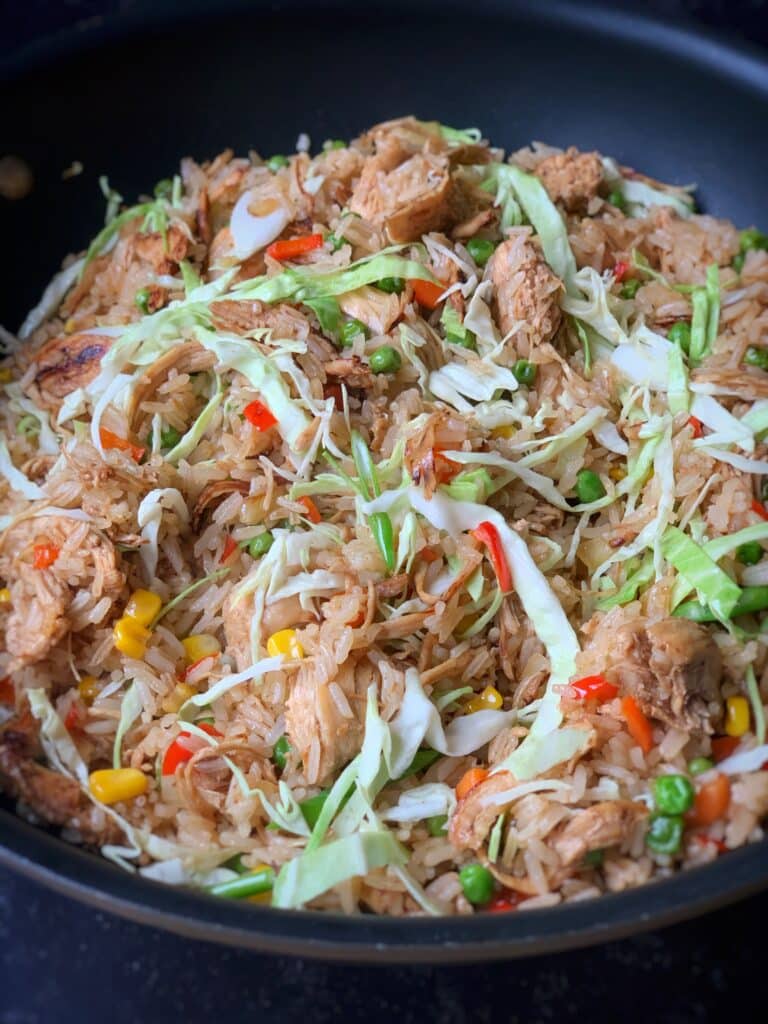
pixel 130 96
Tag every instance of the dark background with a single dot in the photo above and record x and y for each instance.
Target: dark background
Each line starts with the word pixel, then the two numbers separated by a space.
pixel 62 963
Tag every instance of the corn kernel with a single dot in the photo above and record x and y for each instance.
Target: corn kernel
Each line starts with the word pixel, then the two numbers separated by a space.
pixel 5 595
pixel 201 645
pixel 89 688
pixel 736 716
pixel 506 431
pixel 110 785
pixel 69 325
pixel 143 606
pixel 265 898
pixel 6 375
pixel 130 637
pixel 617 473
pixel 491 698
pixel 285 642
pixel 473 704
pixel 179 695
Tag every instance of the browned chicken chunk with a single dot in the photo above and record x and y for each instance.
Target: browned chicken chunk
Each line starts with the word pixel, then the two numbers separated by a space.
pixel 525 291
pixel 474 816
pixel 605 824
pixel 571 178
pixel 673 670
pixel 66 363
pixel 56 798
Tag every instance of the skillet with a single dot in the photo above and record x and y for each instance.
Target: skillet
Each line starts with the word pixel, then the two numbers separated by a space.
pixel 129 96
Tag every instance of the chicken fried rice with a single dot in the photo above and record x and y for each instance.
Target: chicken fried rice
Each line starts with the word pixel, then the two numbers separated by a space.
pixel 384 530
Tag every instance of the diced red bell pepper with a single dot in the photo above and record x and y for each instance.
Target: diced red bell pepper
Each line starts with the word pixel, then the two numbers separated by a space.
pixel 620 271
pixel 487 534
pixel 594 688
pixel 289 248
pixel 177 753
pixel 696 426
pixel 230 547
pixel 44 555
pixel 72 719
pixel 259 416
pixel 7 692
pixel 724 746
pixel 759 509
pixel 506 902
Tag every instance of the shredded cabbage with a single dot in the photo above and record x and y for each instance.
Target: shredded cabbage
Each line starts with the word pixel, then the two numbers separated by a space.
pixel 187 444
pixel 717 549
pixel 422 802
pixel 640 196
pixel 149 518
pixel 17 481
pixel 130 709
pixel 714 586
pixel 51 298
pixel 189 708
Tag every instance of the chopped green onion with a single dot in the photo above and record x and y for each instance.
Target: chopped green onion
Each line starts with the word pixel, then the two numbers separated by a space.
pixel 246 885
pixel 616 199
pixel 365 466
pixel 481 250
pixel 673 794
pixel 334 144
pixel 260 544
pixel 312 806
pixel 477 883
pixel 700 765
pixel 749 553
pixel 169 437
pixel 738 262
pixel 752 238
pixel 141 299
pixel 665 833
pixel 630 288
pixel 163 189
pixel 755 699
pixel 589 486
pixel 422 760
pixel 334 241
pixel 699 324
pixel 350 330
pixel 381 527
pixel 276 162
pixel 392 285
pixel 385 360
pixel 27 425
pixel 525 372
pixel 680 334
pixel 280 752
pixel 751 600
pixel 755 356
pixel 236 864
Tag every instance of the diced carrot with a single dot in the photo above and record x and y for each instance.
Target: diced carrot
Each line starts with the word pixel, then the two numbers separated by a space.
pixel 503 904
pixel 72 719
pixel 469 780
pixel 44 555
pixel 121 444
pixel 759 509
pixel 638 725
pixel 711 802
pixel 313 513
pixel 594 688
pixel 288 248
pixel 426 293
pixel 696 426
pixel 230 547
pixel 259 416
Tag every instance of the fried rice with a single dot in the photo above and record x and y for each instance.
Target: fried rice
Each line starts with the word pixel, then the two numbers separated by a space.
pixel 383 530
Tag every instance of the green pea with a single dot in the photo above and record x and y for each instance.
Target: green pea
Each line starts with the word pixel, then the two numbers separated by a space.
pixel 525 372
pixel 699 765
pixel 422 759
pixel 752 238
pixel 141 299
pixel 260 544
pixel 350 330
pixel 392 285
pixel 436 825
pixel 749 553
pixel 334 144
pixel 680 334
pixel 665 833
pixel 276 162
pixel 589 486
pixel 477 883
pixel 280 752
pixel 673 794
pixel 630 288
pixel 616 199
pixel 595 858
pixel 164 189
pixel 755 356
pixel 481 250
pixel 385 360
pixel 738 262
pixel 169 437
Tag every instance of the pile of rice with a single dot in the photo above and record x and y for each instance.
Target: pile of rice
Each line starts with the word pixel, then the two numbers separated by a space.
pixel 520 311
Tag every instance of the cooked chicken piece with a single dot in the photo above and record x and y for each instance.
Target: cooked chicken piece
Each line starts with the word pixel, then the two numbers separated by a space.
pixel 378 310
pixel 571 178
pixel 189 357
pixel 672 668
pixel 469 228
pixel 525 292
pixel 157 297
pixel 610 823
pixel 313 718
pixel 392 587
pixel 164 250
pixel 66 363
pixel 212 493
pixel 41 598
pixel 243 317
pixel 746 383
pixel 352 371
pixel 474 816
pixel 56 798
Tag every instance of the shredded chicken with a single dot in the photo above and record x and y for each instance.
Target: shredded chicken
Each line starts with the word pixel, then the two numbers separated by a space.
pixel 610 823
pixel 526 292
pixel 571 178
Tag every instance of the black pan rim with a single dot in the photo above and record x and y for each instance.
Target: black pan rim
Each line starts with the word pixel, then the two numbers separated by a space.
pixel 85 877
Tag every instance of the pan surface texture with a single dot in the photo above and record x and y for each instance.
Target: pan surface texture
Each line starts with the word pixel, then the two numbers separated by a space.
pixel 129 97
